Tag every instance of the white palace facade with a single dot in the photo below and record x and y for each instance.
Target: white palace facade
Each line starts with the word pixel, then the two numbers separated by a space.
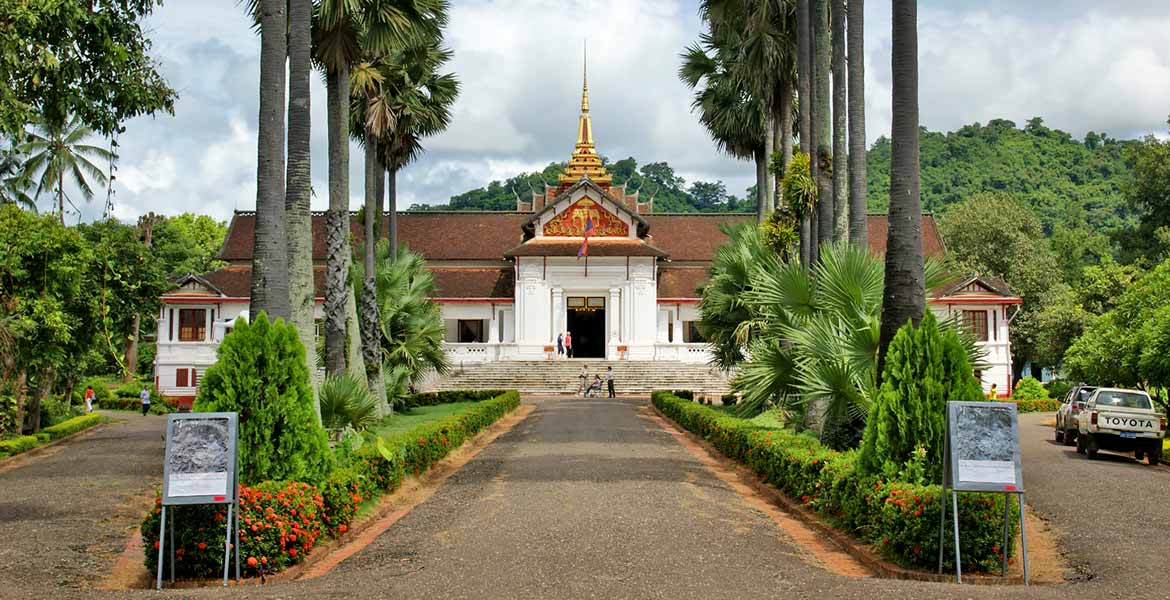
pixel 510 282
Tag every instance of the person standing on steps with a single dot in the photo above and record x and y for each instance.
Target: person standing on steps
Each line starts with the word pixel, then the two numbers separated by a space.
pixel 145 397
pixel 609 381
pixel 560 345
pixel 583 377
pixel 569 344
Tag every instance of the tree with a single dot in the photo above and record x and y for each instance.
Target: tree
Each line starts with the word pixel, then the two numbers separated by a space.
pixel 15 183
pixel 188 243
pixel 858 227
pixel 708 195
pixel 822 120
pixel 85 60
pixel 805 103
pixel 1147 193
pixel 840 166
pixel 926 366
pixel 57 150
pixel 904 298
pixel 270 272
pixel 298 181
pixel 260 372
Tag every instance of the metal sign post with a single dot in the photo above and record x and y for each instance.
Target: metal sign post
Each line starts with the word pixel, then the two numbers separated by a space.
pixel 981 453
pixel 201 466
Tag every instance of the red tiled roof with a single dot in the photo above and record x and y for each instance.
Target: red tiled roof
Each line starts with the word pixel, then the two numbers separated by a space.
pixel 236 282
pixel 490 235
pixel 474 283
pixel 597 247
pixel 680 282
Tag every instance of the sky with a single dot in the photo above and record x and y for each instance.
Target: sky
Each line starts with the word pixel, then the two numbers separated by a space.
pixel 1082 65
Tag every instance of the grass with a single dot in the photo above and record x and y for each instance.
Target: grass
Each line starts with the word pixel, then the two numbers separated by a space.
pixel 404 421
pixel 769 419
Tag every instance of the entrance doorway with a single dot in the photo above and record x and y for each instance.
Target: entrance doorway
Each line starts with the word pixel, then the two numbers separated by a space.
pixel 586 320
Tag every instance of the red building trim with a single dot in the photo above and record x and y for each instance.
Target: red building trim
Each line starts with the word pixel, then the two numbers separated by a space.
pixel 474 300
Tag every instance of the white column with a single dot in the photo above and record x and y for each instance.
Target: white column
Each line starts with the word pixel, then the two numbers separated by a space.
pixel 558 312
pixel 615 318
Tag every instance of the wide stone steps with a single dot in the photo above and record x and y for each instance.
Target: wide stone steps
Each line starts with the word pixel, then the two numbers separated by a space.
pixel 559 377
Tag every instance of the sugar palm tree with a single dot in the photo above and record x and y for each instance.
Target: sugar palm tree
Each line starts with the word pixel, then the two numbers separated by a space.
pixel 840 166
pixel 60 150
pixel 804 102
pixel 298 181
pixel 858 230
pixel 904 298
pixel 822 118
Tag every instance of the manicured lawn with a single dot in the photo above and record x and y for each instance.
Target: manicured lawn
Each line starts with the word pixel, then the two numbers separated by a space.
pixel 402 421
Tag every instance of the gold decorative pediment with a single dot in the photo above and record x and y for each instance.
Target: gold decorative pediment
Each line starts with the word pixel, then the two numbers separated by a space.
pixel 571 221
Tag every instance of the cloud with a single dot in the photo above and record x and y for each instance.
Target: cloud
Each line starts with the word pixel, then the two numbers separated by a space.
pixel 1077 63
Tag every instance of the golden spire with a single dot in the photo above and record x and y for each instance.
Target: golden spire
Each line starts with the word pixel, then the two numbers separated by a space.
pixel 585 160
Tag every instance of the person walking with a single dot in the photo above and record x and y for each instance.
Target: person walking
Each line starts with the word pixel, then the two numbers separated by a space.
pixel 582 377
pixel 992 394
pixel 569 344
pixel 560 345
pixel 609 381
pixel 145 397
pixel 89 396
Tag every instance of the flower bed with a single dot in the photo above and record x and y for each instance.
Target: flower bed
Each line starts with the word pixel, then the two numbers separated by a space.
pixel 65 428
pixel 281 521
pixel 900 519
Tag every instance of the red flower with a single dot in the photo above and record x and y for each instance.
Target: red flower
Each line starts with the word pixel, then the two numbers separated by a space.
pixel 156 544
pixel 292 551
pixel 252 561
pixel 342 528
pixel 202 546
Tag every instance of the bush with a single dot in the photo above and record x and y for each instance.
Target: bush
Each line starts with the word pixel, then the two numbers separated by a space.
pixel 131 389
pixel 449 397
pixel 346 402
pixel 900 518
pixel 1029 389
pixel 426 444
pixel 1042 405
pixel 72 426
pixel 925 367
pixel 8 424
pixel 261 374
pixel 684 394
pixel 1058 388
pixel 729 399
pixel 56 410
pixel 20 444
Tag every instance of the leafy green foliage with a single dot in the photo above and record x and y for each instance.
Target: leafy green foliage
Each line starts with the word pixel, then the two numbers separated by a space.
pixel 73 425
pixel 725 320
pixel 8 422
pixel 1053 173
pixel 1028 388
pixel 59 151
pixel 1147 194
pixel 260 373
pixel 91 59
pixel 899 517
pixel 345 402
pixel 798 187
pixel 451 396
pixel 925 367
pixel 188 243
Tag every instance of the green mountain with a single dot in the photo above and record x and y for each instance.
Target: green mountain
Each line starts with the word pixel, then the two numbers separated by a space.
pixel 1064 180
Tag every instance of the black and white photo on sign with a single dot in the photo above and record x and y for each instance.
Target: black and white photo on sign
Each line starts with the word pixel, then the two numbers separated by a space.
pixel 986 445
pixel 199 458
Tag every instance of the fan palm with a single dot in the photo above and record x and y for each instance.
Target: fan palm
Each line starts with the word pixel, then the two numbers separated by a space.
pixel 725 320
pixel 345 401
pixel 59 150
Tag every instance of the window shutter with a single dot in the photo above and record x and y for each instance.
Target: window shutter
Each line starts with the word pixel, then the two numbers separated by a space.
pixel 181 378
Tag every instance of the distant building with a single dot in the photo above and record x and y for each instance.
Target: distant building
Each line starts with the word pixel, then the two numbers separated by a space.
pixel 509 282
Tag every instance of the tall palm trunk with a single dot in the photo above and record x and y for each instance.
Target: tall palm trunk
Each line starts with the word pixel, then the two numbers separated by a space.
pixel 392 228
pixel 299 182
pixel 269 245
pixel 368 309
pixel 337 256
pixel 822 121
pixel 840 172
pixel 767 189
pixel 904 298
pixel 761 183
pixel 784 132
pixel 804 104
pixel 858 228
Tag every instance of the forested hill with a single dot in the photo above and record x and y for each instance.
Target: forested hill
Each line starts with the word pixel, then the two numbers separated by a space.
pixel 1078 182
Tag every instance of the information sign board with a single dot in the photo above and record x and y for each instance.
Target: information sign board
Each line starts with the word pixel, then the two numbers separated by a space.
pixel 199 466
pixel 984 447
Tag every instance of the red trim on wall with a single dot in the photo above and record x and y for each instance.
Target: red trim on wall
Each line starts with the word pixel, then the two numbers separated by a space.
pixel 964 300
pixel 679 300
pixel 474 300
pixel 200 299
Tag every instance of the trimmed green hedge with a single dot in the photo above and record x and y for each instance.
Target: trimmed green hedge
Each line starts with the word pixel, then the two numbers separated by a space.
pixel 281 521
pixel 1040 405
pixel 158 406
pixel 450 397
pixel 900 519
pixel 25 443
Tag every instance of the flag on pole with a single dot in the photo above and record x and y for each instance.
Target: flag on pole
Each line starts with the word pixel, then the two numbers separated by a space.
pixel 584 251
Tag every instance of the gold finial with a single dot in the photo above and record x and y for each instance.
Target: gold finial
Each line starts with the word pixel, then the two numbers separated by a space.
pixel 585 80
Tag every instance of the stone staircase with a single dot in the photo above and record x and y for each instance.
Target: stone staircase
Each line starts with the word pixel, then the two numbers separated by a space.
pixel 560 376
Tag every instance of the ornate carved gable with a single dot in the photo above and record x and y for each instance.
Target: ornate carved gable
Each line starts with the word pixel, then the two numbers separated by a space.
pixel 571 221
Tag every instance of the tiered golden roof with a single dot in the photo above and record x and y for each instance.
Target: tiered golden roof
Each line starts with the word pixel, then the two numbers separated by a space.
pixel 585 161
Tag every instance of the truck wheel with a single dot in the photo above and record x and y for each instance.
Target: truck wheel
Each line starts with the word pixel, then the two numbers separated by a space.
pixel 1070 437
pixel 1059 435
pixel 1080 444
pixel 1091 453
pixel 1154 454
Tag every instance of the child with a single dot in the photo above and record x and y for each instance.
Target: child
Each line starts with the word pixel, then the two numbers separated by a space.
pixel 145 397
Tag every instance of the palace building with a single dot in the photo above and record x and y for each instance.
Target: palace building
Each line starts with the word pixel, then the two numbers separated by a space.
pixel 510 282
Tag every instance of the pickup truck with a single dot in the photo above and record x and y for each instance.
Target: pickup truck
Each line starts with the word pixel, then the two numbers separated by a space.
pixel 1123 421
pixel 1070 409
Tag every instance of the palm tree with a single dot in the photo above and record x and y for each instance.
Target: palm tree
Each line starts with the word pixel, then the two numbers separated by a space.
pixel 904 298
pixel 840 170
pixel 270 274
pixel 804 104
pixel 725 319
pixel 858 230
pixel 299 180
pixel 821 120
pixel 14 181
pixel 56 151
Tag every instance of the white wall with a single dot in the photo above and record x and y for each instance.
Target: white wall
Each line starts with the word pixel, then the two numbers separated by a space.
pixel 997 347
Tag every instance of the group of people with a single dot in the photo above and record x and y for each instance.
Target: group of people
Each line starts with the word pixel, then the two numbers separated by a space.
pixel 594 388
pixel 565 345
pixel 143 397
